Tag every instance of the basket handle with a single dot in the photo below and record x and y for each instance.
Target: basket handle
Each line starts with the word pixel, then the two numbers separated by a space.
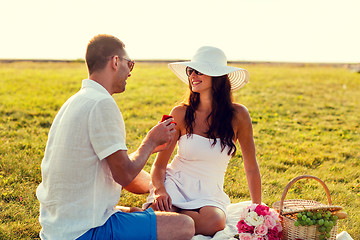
pixel 294 180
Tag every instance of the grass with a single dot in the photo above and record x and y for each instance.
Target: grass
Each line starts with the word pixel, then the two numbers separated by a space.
pixel 306 120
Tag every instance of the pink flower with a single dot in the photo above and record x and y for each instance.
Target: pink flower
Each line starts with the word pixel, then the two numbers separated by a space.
pixel 252 207
pixel 261 230
pixel 262 210
pixel 274 213
pixel 273 234
pixel 244 228
pixel 278 227
pixel 259 238
pixel 259 222
pixel 269 222
pixel 245 236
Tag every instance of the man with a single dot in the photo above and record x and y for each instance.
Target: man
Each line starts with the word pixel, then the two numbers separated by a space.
pixel 86 163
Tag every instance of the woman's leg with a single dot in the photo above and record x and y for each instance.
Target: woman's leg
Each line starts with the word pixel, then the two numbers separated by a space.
pixel 208 220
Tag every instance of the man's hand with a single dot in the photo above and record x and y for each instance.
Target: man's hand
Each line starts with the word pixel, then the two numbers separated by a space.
pixel 162 134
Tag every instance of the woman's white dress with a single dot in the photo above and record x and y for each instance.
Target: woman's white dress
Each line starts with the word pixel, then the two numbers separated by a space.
pixel 195 177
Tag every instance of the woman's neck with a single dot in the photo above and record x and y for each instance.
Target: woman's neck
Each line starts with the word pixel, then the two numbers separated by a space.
pixel 205 102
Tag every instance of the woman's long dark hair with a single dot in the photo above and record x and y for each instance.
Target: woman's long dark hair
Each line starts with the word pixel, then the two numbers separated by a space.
pixel 221 116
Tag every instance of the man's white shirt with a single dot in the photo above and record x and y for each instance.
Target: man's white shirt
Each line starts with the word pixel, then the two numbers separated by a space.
pixel 77 190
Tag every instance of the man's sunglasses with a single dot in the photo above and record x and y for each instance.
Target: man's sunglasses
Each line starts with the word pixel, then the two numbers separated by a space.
pixel 190 70
pixel 131 63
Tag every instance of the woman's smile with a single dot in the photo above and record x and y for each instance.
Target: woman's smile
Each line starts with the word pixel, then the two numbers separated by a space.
pixel 196 82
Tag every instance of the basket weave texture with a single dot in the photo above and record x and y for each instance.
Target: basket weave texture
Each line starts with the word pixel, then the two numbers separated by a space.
pixel 289 208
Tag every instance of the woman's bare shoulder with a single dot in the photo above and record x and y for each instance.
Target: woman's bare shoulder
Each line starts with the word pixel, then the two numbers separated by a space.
pixel 178 113
pixel 242 121
pixel 180 109
pixel 241 111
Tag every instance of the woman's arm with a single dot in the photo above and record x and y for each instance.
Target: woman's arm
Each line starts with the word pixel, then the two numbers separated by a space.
pixel 140 185
pixel 244 135
pixel 162 200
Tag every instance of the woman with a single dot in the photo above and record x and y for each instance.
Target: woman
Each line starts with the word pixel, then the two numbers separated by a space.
pixel 208 126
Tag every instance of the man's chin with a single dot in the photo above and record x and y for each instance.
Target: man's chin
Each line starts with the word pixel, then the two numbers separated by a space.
pixel 120 90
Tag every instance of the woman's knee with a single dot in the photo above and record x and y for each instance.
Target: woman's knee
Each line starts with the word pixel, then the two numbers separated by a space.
pixel 211 221
pixel 212 226
pixel 216 224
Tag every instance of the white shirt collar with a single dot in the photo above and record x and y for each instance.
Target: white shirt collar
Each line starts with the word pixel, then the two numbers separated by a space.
pixel 92 84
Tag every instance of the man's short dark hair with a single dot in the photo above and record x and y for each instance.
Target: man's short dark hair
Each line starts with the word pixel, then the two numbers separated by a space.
pixel 100 49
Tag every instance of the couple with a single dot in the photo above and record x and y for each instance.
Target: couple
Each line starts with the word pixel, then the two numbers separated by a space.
pixel 86 163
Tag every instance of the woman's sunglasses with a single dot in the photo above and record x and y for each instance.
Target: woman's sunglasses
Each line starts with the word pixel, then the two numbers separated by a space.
pixel 190 70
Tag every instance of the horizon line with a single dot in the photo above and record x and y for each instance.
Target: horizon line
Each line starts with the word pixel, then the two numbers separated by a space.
pixel 10 60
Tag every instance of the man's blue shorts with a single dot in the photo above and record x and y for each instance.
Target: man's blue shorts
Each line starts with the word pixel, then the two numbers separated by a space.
pixel 121 225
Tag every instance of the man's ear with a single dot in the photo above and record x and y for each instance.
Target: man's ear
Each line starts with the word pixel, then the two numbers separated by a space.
pixel 114 62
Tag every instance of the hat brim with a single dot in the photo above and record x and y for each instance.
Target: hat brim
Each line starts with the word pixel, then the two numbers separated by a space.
pixel 238 76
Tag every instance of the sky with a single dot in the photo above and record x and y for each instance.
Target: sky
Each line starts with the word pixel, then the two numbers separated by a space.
pixel 246 30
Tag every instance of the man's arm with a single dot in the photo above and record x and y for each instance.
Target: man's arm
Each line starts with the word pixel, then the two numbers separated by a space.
pixel 124 169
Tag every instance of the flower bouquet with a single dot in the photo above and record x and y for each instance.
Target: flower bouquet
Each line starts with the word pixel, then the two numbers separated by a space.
pixel 259 222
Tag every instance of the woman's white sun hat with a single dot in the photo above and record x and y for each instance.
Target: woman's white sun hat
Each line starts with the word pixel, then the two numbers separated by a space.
pixel 211 61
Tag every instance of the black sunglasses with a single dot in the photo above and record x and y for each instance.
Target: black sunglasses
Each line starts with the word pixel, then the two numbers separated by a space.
pixel 190 70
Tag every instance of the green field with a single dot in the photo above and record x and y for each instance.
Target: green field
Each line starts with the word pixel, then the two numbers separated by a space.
pixel 306 120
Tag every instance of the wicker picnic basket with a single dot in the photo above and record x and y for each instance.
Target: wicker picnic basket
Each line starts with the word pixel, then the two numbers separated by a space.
pixel 289 208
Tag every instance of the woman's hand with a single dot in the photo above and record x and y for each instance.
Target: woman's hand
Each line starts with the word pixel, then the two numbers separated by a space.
pixel 162 201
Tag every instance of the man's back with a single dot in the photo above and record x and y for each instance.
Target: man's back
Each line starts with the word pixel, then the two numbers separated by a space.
pixel 78 191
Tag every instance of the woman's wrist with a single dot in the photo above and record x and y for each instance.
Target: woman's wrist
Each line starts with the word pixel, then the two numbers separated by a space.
pixel 159 189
